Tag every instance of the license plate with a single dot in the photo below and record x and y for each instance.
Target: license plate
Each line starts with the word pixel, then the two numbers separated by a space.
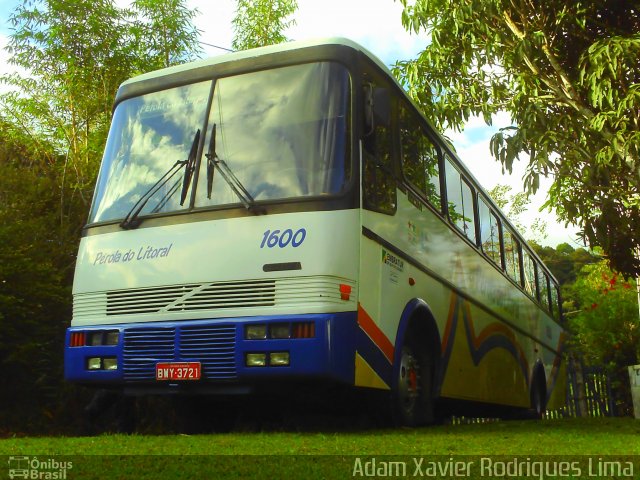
pixel 178 371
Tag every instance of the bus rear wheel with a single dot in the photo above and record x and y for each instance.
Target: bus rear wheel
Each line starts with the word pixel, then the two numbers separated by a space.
pixel 539 397
pixel 412 400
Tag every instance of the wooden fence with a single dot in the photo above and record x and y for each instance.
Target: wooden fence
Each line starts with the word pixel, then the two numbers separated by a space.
pixel 588 393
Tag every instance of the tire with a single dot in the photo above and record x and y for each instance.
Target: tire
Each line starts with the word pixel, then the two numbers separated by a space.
pixel 412 394
pixel 539 397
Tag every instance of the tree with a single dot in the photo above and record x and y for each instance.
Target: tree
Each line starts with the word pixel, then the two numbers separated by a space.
pixel 77 54
pixel 568 73
pixel 166 30
pixel 565 262
pixel 262 22
pixel 35 268
pixel 606 329
pixel 53 126
pixel 517 205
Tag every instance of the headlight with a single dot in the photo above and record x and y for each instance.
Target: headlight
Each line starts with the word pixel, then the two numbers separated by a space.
pixel 110 363
pixel 94 338
pixel 279 330
pixel 111 337
pixel 279 359
pixel 255 332
pixel 94 363
pixel 256 359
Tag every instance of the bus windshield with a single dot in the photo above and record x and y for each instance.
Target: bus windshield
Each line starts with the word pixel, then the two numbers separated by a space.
pixel 282 133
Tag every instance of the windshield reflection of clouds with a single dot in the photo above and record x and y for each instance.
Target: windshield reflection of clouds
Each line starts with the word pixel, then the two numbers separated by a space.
pixel 282 132
pixel 148 135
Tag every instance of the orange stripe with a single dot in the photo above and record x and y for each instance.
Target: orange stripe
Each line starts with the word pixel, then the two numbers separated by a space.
pixel 373 331
pixel 449 326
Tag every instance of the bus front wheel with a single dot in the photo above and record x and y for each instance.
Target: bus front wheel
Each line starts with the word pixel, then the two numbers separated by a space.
pixel 412 399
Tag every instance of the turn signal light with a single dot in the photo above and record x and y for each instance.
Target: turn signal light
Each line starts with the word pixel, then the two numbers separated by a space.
pixel 303 330
pixel 77 339
pixel 94 338
pixel 345 291
pixel 280 331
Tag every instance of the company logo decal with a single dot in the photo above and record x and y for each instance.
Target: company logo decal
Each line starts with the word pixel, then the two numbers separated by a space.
pixel 393 261
pixel 147 252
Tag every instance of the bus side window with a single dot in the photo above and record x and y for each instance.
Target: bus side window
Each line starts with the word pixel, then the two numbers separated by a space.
pixel 529 269
pixel 489 233
pixel 512 262
pixel 555 304
pixel 420 158
pixel 379 183
pixel 460 202
pixel 543 285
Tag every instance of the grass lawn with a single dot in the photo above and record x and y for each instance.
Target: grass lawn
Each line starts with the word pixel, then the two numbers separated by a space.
pixel 327 454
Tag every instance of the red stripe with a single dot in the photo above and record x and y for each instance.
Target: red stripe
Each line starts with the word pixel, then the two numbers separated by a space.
pixel 373 331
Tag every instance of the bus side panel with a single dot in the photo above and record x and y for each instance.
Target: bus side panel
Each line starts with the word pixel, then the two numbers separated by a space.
pixel 481 317
pixel 483 359
pixel 557 387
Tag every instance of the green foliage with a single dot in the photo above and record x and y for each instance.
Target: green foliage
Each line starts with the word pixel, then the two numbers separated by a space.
pixel 259 23
pixel 53 126
pixel 568 74
pixel 166 32
pixel 36 264
pixel 77 55
pixel 606 330
pixel 515 205
pixel 565 263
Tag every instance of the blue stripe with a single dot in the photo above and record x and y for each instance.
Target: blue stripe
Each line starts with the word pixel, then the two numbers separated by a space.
pixel 370 352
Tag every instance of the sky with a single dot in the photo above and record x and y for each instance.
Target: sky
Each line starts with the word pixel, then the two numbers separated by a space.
pixel 376 25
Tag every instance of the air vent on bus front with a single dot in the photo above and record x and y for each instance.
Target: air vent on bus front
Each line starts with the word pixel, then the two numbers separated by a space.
pixel 251 295
pixel 257 293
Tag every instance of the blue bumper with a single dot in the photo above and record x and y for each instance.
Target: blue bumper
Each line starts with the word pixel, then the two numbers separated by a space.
pixel 221 348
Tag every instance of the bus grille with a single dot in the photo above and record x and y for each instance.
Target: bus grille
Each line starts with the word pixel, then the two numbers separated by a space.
pixel 211 345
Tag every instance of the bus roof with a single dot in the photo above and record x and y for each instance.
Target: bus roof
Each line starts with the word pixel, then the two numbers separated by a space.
pixel 256 53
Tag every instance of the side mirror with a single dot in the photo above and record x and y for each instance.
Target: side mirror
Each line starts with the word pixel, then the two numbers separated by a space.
pixel 382 107
pixel 377 107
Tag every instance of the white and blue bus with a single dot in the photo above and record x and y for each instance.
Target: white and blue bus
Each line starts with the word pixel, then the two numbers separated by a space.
pixel 286 215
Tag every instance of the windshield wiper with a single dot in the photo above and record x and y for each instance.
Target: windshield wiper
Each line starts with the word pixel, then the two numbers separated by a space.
pixel 213 162
pixel 132 221
pixel 190 167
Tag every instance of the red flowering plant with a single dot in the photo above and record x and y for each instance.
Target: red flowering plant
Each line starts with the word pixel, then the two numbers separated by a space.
pixel 606 327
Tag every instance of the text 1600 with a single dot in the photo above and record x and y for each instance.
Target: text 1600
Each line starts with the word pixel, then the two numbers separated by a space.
pixel 278 238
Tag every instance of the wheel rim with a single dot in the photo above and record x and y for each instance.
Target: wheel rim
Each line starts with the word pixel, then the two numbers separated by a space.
pixel 408 382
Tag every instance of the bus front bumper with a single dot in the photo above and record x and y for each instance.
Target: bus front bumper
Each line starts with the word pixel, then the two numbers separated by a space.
pixel 230 353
